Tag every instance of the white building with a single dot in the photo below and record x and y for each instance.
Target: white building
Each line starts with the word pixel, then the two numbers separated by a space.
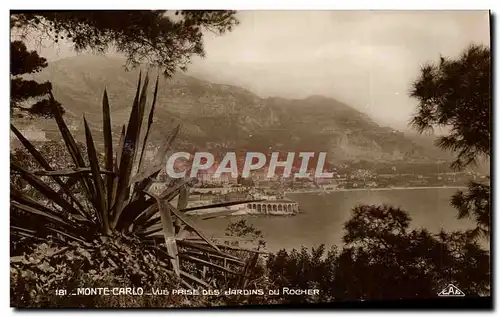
pixel 31 133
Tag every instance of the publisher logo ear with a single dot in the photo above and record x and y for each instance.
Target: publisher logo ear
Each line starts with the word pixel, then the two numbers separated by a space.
pixel 451 290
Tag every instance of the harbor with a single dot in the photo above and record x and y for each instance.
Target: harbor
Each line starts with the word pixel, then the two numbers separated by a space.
pixel 272 203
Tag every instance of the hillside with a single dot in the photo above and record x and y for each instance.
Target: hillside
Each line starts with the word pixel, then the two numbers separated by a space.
pixel 228 117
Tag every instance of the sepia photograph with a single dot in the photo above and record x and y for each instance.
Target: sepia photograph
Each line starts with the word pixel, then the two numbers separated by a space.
pixel 250 159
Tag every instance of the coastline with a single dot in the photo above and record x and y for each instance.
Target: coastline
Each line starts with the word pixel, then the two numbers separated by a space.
pixel 225 212
pixel 319 191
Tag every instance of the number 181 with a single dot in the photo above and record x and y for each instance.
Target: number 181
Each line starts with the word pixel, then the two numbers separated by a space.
pixel 60 292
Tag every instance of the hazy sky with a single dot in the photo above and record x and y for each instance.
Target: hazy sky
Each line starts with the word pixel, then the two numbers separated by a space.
pixel 365 58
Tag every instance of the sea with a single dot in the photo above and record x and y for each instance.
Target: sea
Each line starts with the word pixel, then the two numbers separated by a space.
pixel 324 214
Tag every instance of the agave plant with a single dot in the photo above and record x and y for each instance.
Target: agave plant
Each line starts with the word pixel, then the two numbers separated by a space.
pixel 116 200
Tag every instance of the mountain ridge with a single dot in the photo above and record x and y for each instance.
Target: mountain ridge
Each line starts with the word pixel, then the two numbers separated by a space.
pixel 227 117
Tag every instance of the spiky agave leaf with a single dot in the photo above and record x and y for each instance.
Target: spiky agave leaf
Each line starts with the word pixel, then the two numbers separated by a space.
pixel 224 204
pixel 119 150
pixel 207 263
pixel 72 147
pixel 143 179
pixel 129 151
pixel 43 188
pixel 65 187
pixel 169 232
pixel 143 219
pixel 71 171
pixel 108 143
pixel 192 227
pixel 150 122
pixel 143 215
pixel 182 203
pixel 209 256
pixel 146 174
pixel 100 201
pixel 28 214
pixel 116 167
